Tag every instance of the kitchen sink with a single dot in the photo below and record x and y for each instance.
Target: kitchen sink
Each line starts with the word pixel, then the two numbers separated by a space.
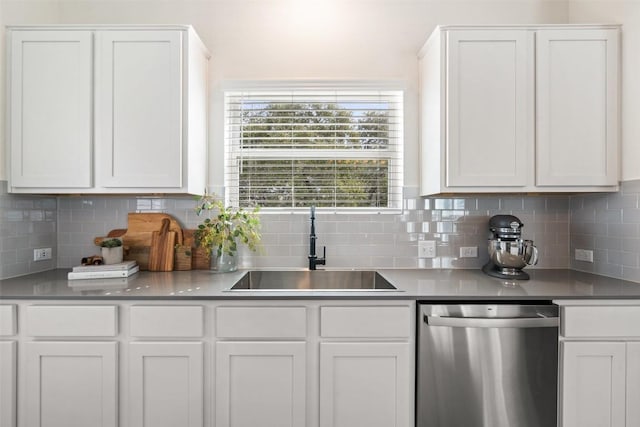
pixel 318 280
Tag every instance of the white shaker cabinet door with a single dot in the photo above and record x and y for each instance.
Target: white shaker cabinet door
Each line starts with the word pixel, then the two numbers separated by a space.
pixel 70 384
pixel 489 104
pixel 50 109
pixel 365 384
pixel 593 384
pixel 166 384
pixel 7 384
pixel 577 107
pixel 139 109
pixel 633 384
pixel 260 384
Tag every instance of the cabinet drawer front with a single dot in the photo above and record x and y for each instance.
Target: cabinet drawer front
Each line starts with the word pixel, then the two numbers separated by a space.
pixel 261 322
pixel 365 322
pixel 610 321
pixel 8 321
pixel 72 320
pixel 167 321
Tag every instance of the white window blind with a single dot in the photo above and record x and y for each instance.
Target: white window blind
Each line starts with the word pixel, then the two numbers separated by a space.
pixel 297 148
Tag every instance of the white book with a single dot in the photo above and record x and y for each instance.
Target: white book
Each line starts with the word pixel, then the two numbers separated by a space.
pixel 78 275
pixel 123 266
pixel 100 284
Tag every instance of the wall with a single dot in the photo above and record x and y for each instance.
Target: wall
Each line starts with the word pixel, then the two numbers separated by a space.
pixel 609 225
pixel 26 223
pixel 352 240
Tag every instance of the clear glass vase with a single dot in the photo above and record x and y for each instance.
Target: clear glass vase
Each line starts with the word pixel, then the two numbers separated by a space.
pixel 224 263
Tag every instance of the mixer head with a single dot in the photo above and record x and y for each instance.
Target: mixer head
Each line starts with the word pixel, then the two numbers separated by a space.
pixel 505 227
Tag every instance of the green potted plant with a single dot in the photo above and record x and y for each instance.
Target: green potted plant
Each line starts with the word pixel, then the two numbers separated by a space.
pixel 111 250
pixel 221 233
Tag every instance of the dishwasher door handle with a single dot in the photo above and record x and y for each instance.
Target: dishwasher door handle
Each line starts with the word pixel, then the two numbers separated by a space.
pixel 476 322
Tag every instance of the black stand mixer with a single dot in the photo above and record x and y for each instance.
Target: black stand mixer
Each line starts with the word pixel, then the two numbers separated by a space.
pixel 508 252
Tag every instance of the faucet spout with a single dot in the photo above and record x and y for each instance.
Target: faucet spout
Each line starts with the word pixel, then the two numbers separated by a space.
pixel 313 258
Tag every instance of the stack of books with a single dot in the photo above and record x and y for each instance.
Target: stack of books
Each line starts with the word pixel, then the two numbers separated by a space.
pixel 106 271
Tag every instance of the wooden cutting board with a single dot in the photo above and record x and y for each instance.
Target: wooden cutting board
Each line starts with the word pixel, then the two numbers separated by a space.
pixel 141 226
pixel 162 248
pixel 137 237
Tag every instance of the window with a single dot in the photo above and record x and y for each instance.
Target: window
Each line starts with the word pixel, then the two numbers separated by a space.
pixel 294 149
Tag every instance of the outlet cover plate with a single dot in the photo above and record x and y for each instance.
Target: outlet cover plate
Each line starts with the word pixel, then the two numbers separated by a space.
pixel 584 255
pixel 41 254
pixel 427 249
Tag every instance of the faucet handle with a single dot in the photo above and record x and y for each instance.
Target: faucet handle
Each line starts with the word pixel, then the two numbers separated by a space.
pixel 323 260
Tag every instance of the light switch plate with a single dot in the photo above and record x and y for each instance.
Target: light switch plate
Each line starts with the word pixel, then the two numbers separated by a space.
pixel 469 252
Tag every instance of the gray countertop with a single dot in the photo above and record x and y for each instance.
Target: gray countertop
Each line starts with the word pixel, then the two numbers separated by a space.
pixel 418 284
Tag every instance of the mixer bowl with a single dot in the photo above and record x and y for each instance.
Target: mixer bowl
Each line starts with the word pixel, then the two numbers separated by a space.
pixel 513 254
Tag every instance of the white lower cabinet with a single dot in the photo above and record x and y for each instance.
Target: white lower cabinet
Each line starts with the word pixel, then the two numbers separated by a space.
pixel 593 384
pixel 260 384
pixel 70 384
pixel 242 363
pixel 166 384
pixel 365 384
pixel 599 363
pixel 633 384
pixel 7 384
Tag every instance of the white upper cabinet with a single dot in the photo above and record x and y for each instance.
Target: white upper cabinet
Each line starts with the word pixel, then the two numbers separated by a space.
pixel 490 92
pixel 139 100
pixel 107 110
pixel 50 109
pixel 519 109
pixel 577 114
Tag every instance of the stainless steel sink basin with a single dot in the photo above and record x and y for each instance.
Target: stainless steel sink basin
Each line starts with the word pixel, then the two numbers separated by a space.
pixel 318 280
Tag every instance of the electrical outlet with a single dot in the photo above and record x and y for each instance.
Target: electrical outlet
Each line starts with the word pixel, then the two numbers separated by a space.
pixel 584 255
pixel 41 254
pixel 469 252
pixel 427 249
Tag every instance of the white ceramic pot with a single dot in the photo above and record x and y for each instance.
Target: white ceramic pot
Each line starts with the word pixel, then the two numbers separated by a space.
pixel 112 255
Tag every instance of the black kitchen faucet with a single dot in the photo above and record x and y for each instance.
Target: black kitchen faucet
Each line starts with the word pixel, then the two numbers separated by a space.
pixel 313 258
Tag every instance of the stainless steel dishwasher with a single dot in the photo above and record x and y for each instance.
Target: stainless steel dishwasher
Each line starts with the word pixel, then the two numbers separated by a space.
pixel 487 365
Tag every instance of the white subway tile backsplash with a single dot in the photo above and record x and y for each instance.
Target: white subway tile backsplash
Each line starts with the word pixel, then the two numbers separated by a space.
pixel 608 224
pixel 631 216
pixel 631 187
pixel 26 222
pixel 622 230
pixel 363 240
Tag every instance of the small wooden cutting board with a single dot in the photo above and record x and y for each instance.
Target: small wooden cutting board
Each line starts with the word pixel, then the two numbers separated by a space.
pixel 162 248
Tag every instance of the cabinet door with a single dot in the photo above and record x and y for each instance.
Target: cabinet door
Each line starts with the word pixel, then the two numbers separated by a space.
pixel 71 384
pixel 577 107
pixel 7 384
pixel 365 384
pixel 166 384
pixel 489 107
pixel 260 384
pixel 139 109
pixel 633 384
pixel 50 109
pixel 593 384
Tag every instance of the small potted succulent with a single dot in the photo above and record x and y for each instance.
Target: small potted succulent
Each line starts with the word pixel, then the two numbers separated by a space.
pixel 111 249
pixel 221 233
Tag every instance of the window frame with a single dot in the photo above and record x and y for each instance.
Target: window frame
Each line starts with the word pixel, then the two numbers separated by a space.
pixel 396 158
